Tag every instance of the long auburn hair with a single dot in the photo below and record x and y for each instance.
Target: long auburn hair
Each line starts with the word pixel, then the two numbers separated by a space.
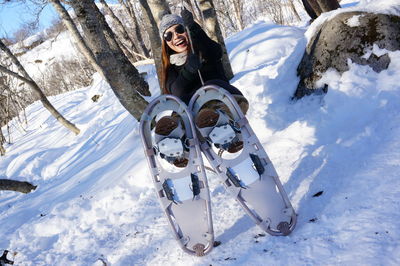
pixel 165 53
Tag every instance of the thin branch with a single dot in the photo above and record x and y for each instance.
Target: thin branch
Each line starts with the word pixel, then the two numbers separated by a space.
pixel 14 74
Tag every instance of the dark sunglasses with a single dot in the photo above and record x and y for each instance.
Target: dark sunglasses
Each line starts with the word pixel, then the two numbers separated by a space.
pixel 169 34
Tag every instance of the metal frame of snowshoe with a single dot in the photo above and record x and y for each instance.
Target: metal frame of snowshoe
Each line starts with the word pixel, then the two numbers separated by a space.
pixel 190 219
pixel 263 198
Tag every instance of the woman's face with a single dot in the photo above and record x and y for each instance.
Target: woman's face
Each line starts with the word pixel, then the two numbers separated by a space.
pixel 176 38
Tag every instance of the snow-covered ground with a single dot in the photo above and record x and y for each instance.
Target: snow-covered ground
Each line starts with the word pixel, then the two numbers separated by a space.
pixel 95 202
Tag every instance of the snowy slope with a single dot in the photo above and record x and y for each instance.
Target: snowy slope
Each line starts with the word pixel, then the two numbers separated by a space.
pixel 95 202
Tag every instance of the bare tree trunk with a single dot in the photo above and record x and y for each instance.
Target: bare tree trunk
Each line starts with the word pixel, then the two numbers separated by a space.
pixel 130 55
pixel 309 9
pixel 316 7
pixel 223 11
pixel 238 7
pixel 18 186
pixel 32 84
pixel 122 76
pixel 296 14
pixel 123 33
pixel 159 8
pixel 2 141
pixel 328 5
pixel 319 6
pixel 153 11
pixel 127 5
pixel 83 47
pixel 138 34
pixel 198 16
pixel 214 31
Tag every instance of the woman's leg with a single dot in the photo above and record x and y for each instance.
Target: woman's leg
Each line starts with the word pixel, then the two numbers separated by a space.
pixel 240 99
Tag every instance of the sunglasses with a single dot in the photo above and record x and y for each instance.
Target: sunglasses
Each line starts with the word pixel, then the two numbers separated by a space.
pixel 169 34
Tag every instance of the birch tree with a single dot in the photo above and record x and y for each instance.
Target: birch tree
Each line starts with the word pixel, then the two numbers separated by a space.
pixel 153 11
pixel 24 76
pixel 99 45
pixel 131 51
pixel 138 36
pixel 2 141
pixel 73 30
pixel 12 103
pixel 238 11
pixel 315 8
pixel 214 31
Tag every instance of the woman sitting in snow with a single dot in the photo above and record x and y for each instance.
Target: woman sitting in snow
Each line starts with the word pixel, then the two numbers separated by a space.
pixel 180 68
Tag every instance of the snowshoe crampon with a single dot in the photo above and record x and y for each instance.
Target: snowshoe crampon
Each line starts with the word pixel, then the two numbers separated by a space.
pixel 174 157
pixel 249 176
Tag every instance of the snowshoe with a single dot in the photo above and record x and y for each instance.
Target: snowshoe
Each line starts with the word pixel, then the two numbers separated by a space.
pixel 174 157
pixel 249 175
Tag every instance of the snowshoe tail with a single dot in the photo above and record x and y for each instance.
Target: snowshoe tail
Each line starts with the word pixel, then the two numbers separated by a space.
pixel 182 191
pixel 250 177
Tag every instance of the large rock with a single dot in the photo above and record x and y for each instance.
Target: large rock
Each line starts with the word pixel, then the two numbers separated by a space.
pixel 347 36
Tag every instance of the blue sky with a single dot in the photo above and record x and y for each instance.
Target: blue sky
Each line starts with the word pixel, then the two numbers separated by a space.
pixel 14 15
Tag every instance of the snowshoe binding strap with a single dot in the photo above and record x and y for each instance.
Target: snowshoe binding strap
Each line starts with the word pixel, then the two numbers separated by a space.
pixel 195 185
pixel 233 178
pixel 169 191
pixel 179 190
pixel 171 147
pixel 222 136
pixel 257 164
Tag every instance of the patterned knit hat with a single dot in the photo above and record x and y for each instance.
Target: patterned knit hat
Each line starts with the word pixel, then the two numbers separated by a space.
pixel 169 20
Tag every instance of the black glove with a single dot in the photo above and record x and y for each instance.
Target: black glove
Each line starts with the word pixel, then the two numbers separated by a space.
pixel 187 17
pixel 193 63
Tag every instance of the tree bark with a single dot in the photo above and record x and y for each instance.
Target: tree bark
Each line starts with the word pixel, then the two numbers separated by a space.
pixel 32 84
pixel 138 34
pixel 315 6
pixel 128 51
pixel 296 14
pixel 198 16
pixel 319 6
pixel 18 186
pixel 238 6
pixel 122 76
pixel 328 5
pixel 83 47
pixel 309 9
pixel 214 31
pixel 2 141
pixel 123 33
pixel 223 11
pixel 153 11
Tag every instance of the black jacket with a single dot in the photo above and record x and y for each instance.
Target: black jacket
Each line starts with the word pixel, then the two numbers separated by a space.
pixel 183 84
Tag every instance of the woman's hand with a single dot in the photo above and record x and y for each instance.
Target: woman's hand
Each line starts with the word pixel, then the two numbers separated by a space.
pixel 187 17
pixel 193 63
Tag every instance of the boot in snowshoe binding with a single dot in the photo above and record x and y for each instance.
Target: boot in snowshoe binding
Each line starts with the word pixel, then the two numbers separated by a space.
pixel 220 130
pixel 166 127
